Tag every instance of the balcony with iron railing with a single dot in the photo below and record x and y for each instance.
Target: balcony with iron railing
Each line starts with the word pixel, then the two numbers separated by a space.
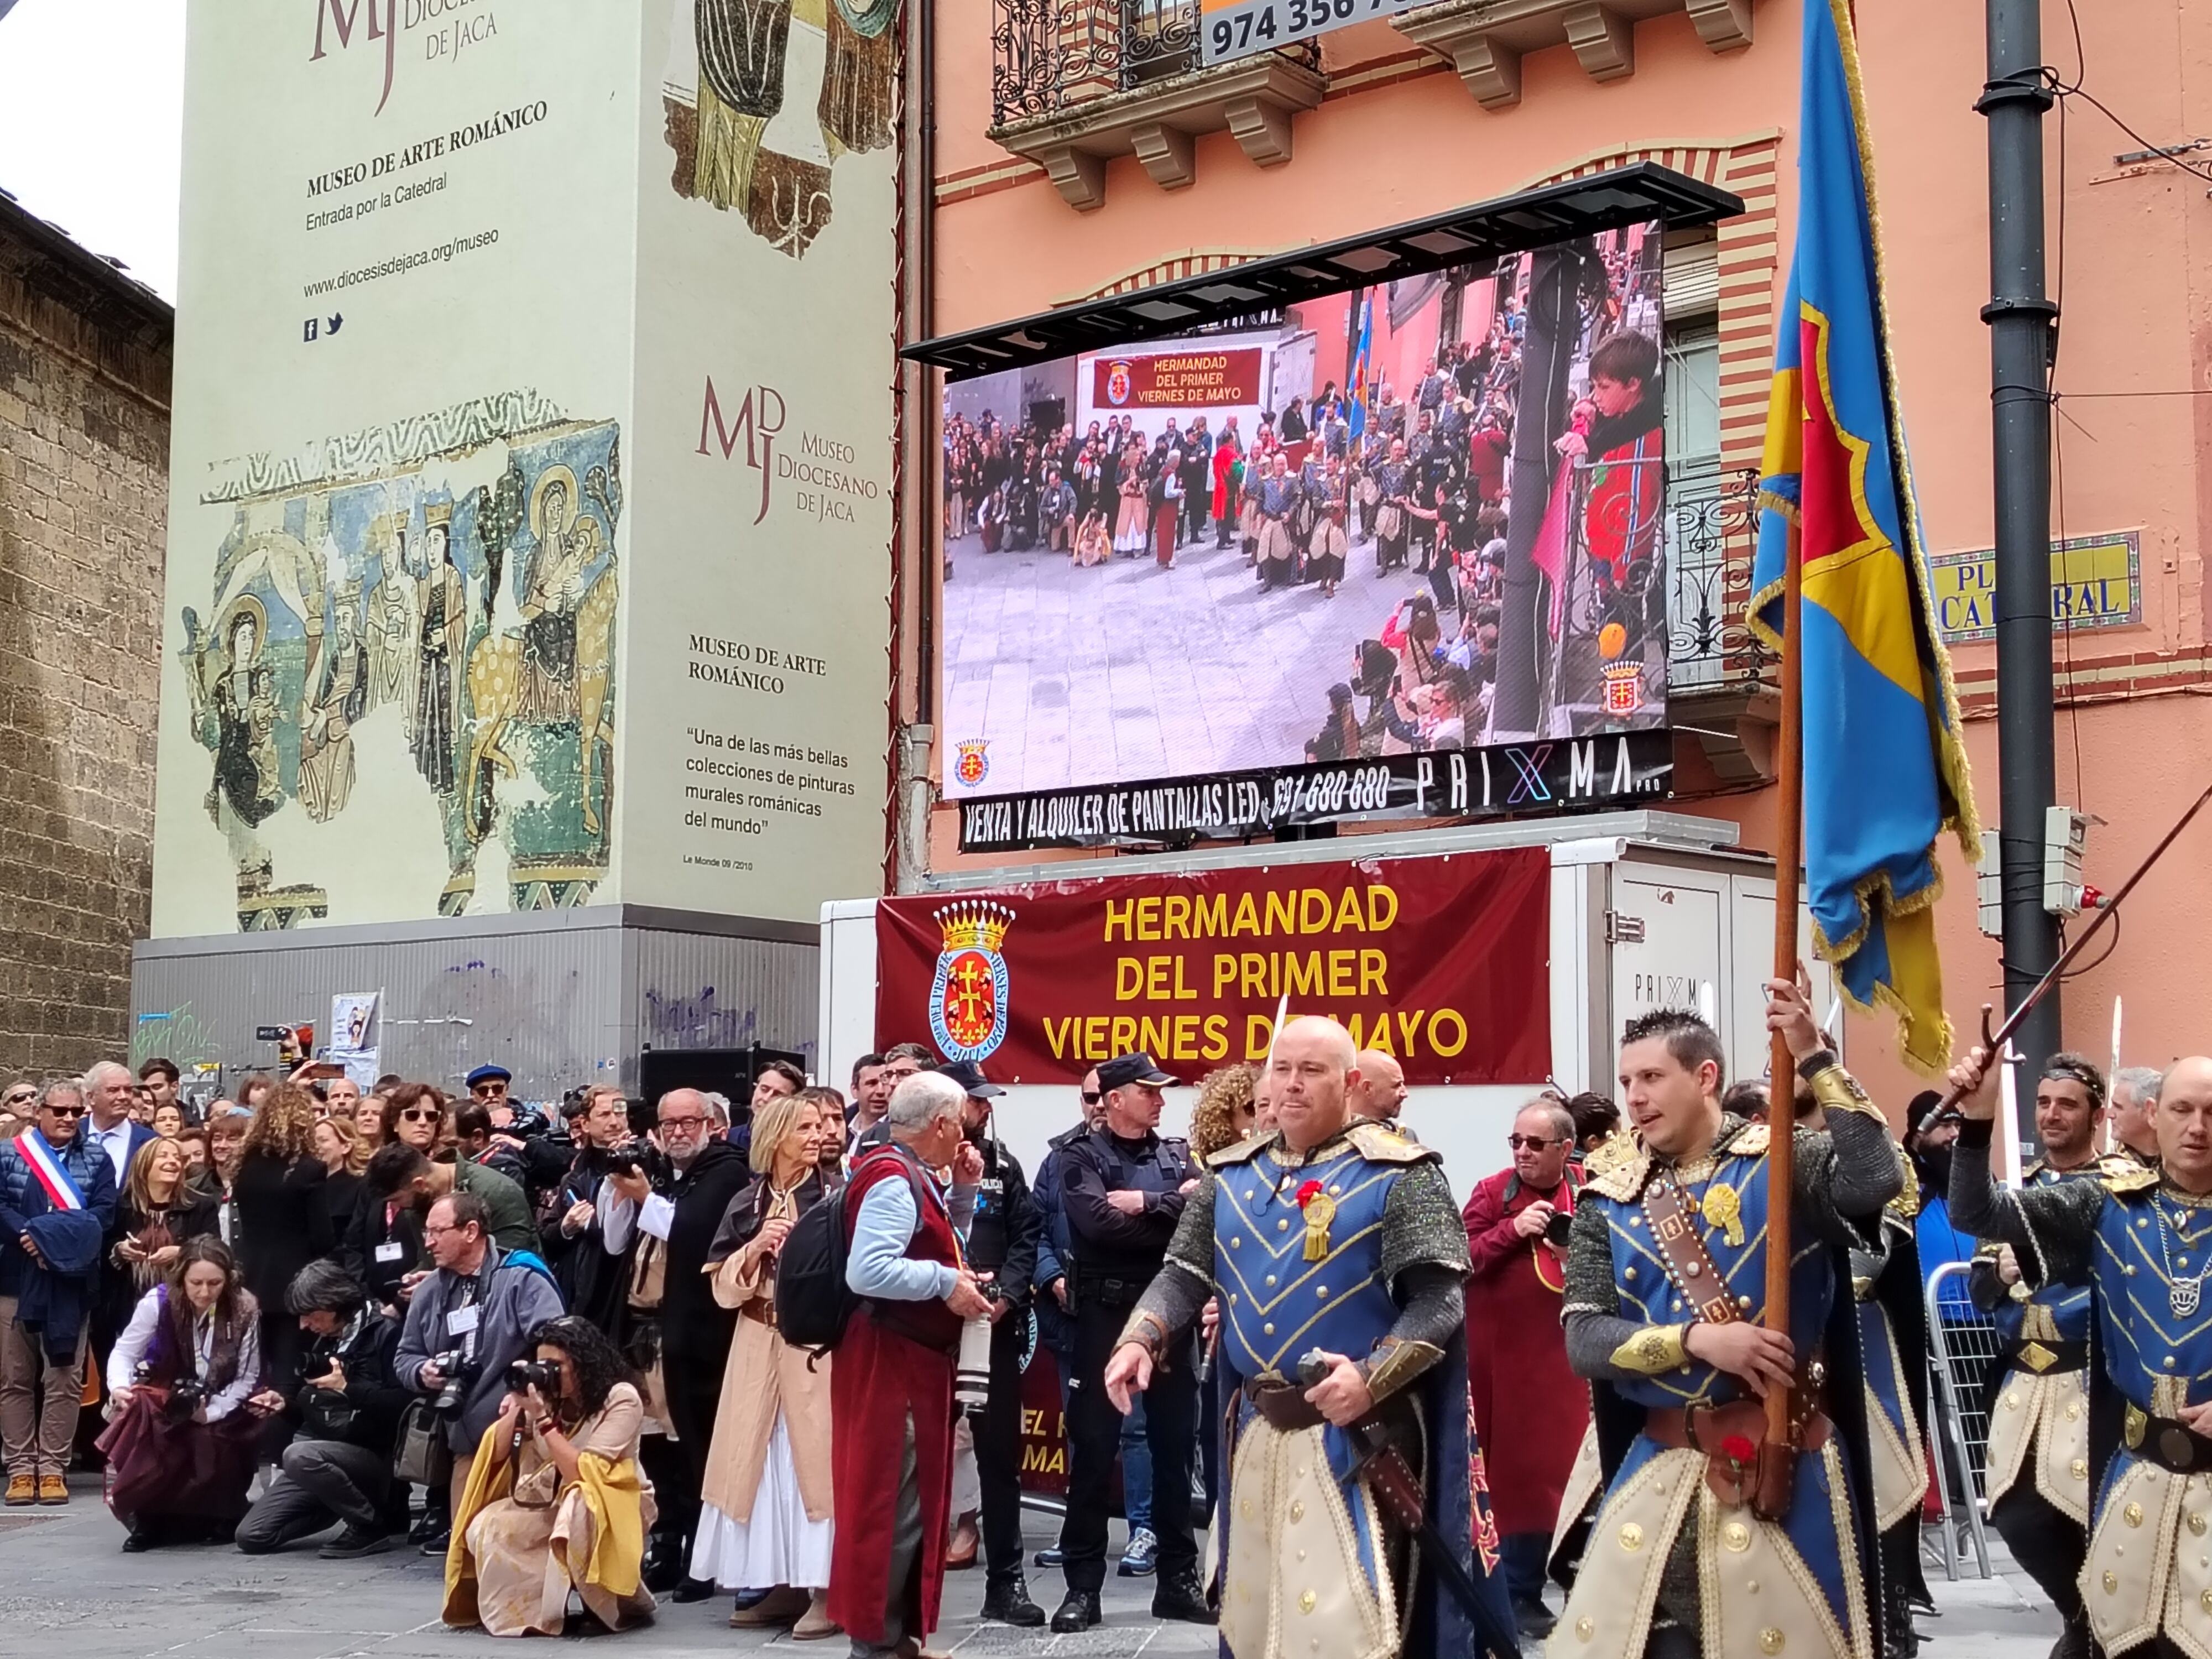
pixel 1720 679
pixel 1075 83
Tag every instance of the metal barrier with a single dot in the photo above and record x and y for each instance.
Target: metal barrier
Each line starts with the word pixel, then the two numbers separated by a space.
pixel 1963 1344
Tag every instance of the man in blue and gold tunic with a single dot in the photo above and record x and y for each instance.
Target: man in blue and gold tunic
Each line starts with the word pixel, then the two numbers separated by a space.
pixel 1334 1249
pixel 2038 1410
pixel 1704 1543
pixel 2140 1239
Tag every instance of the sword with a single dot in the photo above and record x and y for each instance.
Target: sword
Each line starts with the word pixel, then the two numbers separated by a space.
pixel 1391 1478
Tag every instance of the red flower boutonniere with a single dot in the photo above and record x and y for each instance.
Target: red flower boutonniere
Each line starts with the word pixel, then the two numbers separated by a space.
pixel 1739 1451
pixel 1308 1192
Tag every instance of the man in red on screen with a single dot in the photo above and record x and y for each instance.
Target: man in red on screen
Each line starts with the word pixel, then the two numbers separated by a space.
pixel 1530 1408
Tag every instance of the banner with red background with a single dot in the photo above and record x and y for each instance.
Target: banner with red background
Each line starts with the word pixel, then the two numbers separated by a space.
pixel 1443 961
pixel 1182 379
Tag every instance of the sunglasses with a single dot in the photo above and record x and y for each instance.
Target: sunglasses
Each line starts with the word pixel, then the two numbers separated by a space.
pixel 482 1090
pixel 414 1115
pixel 1534 1143
pixel 1092 1096
pixel 29 1097
pixel 66 1111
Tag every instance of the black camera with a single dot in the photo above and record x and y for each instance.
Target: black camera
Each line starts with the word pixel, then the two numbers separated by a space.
pixel 459 1371
pixel 624 1161
pixel 185 1395
pixel 315 1365
pixel 1559 1226
pixel 544 1376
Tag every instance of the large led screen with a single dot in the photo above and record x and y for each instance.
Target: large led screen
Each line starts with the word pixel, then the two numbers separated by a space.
pixel 1421 519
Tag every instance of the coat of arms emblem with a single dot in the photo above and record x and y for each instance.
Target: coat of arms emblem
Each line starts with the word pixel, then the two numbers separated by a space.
pixel 971 765
pixel 1121 381
pixel 968 998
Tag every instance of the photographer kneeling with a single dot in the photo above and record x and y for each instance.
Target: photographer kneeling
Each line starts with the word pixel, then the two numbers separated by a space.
pixel 555 1501
pixel 338 1468
pixel 180 1447
pixel 466 1324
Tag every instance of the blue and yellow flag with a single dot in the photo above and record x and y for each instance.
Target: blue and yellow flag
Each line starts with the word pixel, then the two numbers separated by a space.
pixel 1885 773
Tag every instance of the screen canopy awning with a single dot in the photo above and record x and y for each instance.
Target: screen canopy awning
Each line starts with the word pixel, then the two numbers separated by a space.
pixel 1637 193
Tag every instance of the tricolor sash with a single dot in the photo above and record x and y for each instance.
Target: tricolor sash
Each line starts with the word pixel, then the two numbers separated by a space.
pixel 61 1190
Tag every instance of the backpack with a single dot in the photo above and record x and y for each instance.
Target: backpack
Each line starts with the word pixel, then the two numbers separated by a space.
pixel 813 1302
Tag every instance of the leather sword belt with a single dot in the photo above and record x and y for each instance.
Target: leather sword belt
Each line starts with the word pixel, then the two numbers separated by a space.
pixel 1284 1405
pixel 1741 1467
pixel 760 1312
pixel 2167 1443
pixel 2047 1358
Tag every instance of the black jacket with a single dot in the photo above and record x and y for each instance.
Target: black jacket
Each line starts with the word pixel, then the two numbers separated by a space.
pixel 694 1327
pixel 368 1236
pixel 282 1222
pixel 366 1412
pixel 1003 1237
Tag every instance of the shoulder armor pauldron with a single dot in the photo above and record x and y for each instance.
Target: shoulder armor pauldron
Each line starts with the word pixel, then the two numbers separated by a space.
pixel 1380 1145
pixel 2125 1174
pixel 1244 1151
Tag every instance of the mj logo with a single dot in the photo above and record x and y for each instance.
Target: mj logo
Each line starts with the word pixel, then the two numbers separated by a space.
pixel 342 17
pixel 760 419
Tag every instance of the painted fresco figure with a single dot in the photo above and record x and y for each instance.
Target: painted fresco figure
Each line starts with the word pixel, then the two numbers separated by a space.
pixel 443 601
pixel 326 761
pixel 566 546
pixel 393 639
pixel 1665 1278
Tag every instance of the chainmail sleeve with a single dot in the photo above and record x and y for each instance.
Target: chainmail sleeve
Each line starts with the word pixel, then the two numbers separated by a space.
pixel 2053 1229
pixel 1590 1305
pixel 1173 1301
pixel 1424 1263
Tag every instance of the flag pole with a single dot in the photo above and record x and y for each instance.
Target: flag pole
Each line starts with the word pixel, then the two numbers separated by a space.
pixel 1782 1065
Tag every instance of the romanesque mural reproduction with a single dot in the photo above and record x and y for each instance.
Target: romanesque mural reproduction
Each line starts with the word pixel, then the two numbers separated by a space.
pixel 426 608
pixel 763 96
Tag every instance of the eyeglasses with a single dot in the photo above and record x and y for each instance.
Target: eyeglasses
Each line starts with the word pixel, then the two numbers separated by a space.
pixel 420 1114
pixel 1092 1096
pixel 688 1125
pixel 1534 1143
pixel 484 1091
pixel 65 1111
pixel 29 1097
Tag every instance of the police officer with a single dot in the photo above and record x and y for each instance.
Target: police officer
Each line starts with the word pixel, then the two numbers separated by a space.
pixel 1002 1247
pixel 1123 1189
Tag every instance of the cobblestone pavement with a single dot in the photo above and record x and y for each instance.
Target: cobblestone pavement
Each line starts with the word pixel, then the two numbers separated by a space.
pixel 65 1586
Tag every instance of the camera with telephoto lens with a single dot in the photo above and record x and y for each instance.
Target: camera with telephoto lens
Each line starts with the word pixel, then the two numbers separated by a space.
pixel 459 1371
pixel 971 1368
pixel 624 1161
pixel 525 1374
pixel 1559 1226
pixel 314 1366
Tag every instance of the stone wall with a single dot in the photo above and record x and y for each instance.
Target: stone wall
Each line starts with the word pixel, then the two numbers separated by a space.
pixel 84 456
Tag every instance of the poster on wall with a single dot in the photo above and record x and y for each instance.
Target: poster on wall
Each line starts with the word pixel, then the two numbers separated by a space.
pixel 1306 567
pixel 1439 962
pixel 392 684
pixel 766 198
pixel 475 303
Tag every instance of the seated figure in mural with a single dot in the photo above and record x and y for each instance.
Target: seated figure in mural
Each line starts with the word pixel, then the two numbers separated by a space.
pixel 567 545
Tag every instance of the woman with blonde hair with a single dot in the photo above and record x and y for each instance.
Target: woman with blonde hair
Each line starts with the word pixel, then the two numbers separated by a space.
pixel 159 1213
pixel 1222 1114
pixel 337 1144
pixel 765 1519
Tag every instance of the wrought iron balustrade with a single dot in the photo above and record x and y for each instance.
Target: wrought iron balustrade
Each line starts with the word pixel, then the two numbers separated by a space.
pixel 1713 531
pixel 1051 56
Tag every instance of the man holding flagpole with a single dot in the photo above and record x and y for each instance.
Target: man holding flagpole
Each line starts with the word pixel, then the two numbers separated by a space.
pixel 57 1201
